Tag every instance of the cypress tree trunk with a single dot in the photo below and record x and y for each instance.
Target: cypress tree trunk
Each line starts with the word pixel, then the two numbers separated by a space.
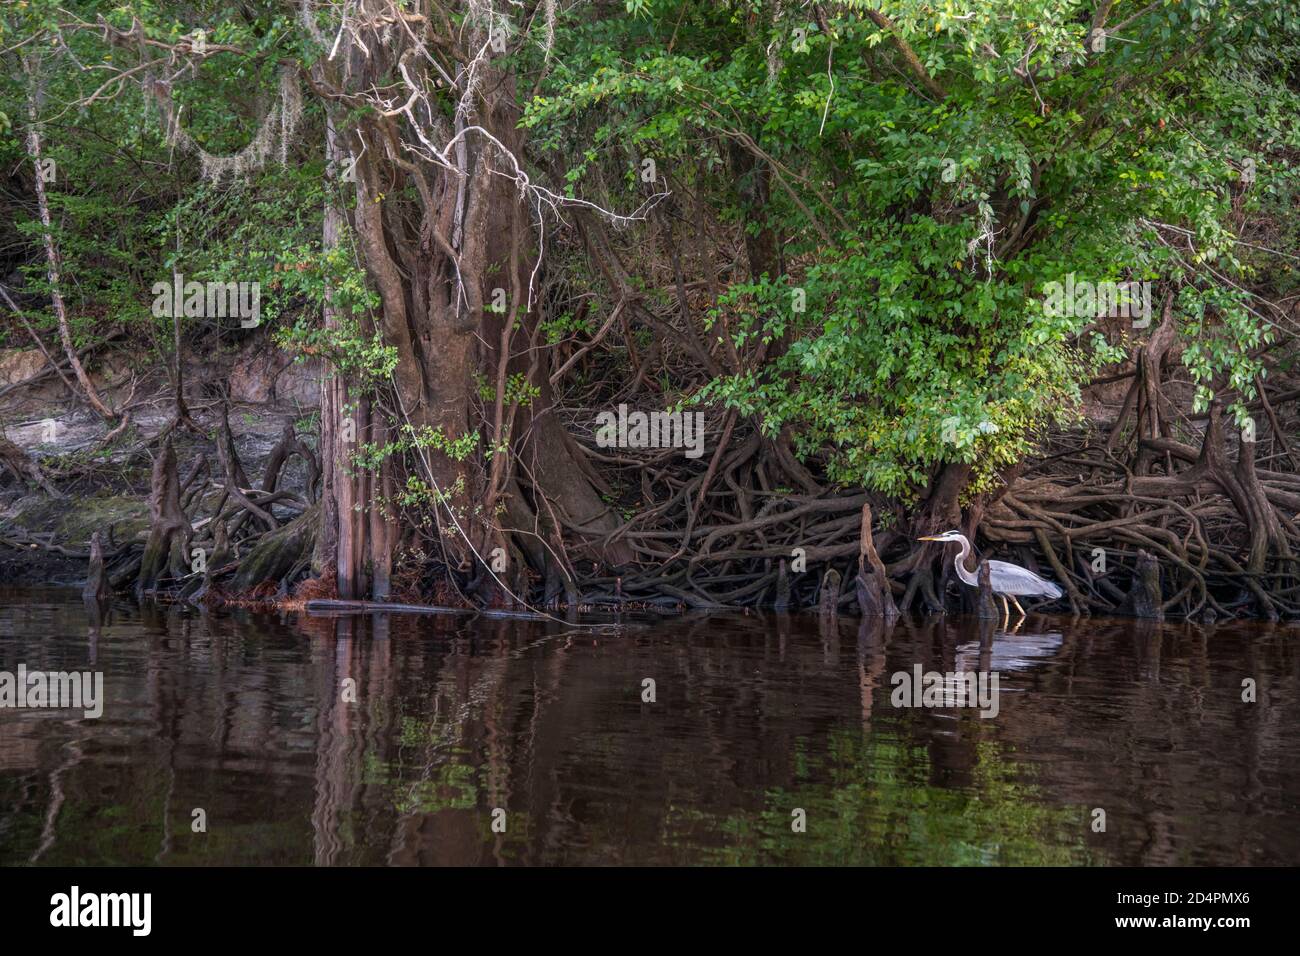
pixel 457 274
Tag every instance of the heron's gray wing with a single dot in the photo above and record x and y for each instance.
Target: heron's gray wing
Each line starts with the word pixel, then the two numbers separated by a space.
pixel 1009 578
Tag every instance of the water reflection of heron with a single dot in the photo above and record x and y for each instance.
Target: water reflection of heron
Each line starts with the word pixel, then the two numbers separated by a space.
pixel 1008 651
pixel 1006 579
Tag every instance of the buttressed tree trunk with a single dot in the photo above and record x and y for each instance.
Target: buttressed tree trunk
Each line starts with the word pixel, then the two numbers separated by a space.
pixel 167 547
pixel 356 539
pixel 447 232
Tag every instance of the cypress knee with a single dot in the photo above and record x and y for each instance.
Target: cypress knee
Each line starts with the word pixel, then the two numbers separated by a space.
pixel 97 587
pixel 986 608
pixel 1143 599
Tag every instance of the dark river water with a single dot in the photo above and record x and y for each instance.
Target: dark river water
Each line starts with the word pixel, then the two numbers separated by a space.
pixel 397 739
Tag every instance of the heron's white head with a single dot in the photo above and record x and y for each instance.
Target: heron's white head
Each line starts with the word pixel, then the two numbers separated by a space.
pixel 945 536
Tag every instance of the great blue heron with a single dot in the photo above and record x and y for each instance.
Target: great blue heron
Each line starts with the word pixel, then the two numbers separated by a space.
pixel 1007 580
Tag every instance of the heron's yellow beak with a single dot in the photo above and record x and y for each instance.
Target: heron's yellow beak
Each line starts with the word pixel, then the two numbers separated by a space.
pixel 929 537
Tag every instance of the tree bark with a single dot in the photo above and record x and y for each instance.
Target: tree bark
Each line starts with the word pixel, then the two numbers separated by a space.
pixel 875 599
pixel 51 250
pixel 986 608
pixel 436 262
pixel 169 532
pixel 1144 599
pixel 97 587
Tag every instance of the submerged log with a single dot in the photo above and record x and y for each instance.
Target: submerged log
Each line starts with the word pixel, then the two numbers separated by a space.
pixel 326 606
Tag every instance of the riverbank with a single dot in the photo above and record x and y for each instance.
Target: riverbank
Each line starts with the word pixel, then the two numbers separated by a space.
pixel 45 538
pixel 222 503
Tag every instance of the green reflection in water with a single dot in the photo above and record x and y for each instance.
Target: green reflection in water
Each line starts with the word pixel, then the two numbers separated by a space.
pixel 452 786
pixel 869 802
pixel 436 776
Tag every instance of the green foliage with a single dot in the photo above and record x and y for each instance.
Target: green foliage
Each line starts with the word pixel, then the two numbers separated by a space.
pixel 308 281
pixel 565 325
pixel 370 455
pixel 925 227
pixel 918 229
pixel 128 207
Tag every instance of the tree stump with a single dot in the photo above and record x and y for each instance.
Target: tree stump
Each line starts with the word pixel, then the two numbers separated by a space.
pixel 1144 599
pixel 169 531
pixel 829 601
pixel 875 599
pixel 782 602
pixel 97 587
pixel 986 606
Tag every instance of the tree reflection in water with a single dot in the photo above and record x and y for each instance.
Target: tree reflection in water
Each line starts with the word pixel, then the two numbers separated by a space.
pixel 243 715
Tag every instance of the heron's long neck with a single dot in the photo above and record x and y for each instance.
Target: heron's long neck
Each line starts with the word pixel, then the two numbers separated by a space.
pixel 970 577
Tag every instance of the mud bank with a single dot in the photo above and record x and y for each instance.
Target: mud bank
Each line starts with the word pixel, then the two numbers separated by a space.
pixel 104 488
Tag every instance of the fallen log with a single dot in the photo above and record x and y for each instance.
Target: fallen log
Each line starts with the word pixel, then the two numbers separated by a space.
pixel 14 459
pixel 330 607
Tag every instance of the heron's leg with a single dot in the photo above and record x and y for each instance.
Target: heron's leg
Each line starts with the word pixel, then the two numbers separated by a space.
pixel 1018 607
pixel 1006 611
